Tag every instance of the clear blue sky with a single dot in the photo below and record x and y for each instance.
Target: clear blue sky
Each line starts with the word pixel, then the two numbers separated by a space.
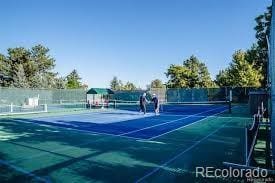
pixel 135 40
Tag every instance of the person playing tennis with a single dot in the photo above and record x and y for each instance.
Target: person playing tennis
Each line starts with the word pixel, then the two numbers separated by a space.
pixel 155 101
pixel 142 103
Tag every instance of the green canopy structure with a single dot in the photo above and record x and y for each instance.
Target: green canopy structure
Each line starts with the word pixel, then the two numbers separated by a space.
pixel 100 91
pixel 98 95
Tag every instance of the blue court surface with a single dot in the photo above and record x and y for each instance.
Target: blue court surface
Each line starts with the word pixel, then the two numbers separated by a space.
pixel 110 145
pixel 130 124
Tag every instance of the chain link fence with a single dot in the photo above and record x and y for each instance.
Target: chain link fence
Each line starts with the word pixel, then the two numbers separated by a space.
pixel 18 96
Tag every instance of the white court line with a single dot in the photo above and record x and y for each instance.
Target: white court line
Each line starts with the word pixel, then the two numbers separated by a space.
pixel 76 145
pixel 123 134
pixel 112 135
pixel 92 120
pixel 225 117
pixel 92 113
pixel 178 155
pixel 118 135
pixel 86 143
pixel 194 115
pixel 8 114
pixel 159 142
pixel 184 126
pixel 78 130
pixel 107 118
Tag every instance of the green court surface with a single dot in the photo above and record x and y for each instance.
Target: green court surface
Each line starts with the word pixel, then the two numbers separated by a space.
pixel 41 153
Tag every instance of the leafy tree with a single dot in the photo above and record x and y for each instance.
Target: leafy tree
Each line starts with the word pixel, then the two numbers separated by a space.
pixel 157 83
pixel 116 84
pixel 129 86
pixel 257 55
pixel 34 68
pixel 3 65
pixel 240 73
pixel 223 78
pixel 18 60
pixel 37 65
pixel 120 85
pixel 43 80
pixel 73 80
pixel 20 80
pixel 4 71
pixel 37 81
pixel 60 83
pixel 254 56
pixel 192 73
pixel 177 75
pixel 262 31
pixel 48 80
pixel 43 61
pixel 85 86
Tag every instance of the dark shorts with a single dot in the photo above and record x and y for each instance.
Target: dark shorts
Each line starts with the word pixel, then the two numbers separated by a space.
pixel 155 105
pixel 142 107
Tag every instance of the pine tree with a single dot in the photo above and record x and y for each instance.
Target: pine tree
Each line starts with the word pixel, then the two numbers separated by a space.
pixel 73 80
pixel 20 80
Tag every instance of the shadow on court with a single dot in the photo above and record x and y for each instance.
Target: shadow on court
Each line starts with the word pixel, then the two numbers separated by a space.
pixel 64 155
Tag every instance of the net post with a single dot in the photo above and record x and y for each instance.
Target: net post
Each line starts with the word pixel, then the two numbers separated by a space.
pixel 226 93
pixel 45 107
pixel 11 108
pixel 246 148
pixel 115 104
pixel 230 101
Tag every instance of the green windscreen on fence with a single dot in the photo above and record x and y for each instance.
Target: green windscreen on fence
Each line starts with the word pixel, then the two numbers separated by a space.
pixel 66 97
pixel 18 96
pixel 128 95
pixel 196 94
pixel 186 95
pixel 239 94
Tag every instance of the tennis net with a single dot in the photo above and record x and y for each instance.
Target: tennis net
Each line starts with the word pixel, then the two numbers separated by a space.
pixel 172 107
pixel 21 109
pixel 251 138
pixel 195 107
pixel 12 109
pixel 67 106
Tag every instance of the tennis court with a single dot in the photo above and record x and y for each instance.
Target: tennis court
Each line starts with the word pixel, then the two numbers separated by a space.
pixel 114 145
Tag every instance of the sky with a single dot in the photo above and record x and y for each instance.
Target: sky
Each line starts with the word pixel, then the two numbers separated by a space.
pixel 135 40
